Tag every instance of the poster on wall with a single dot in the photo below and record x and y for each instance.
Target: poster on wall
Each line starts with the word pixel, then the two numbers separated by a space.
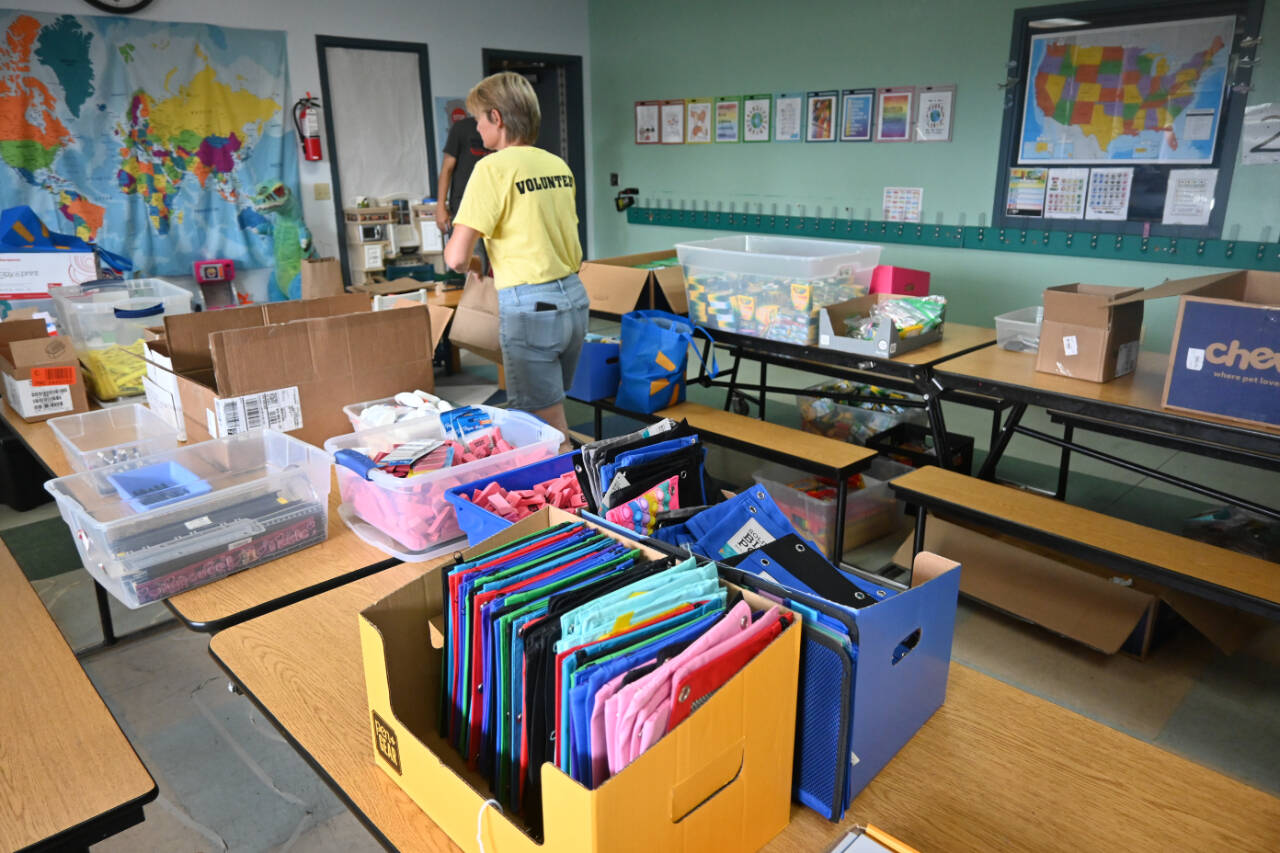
pixel 647 113
pixel 1026 192
pixel 728 118
pixel 821 126
pixel 788 117
pixel 167 143
pixel 1145 92
pixel 857 114
pixel 1065 193
pixel 449 109
pixel 757 111
pixel 1109 191
pixel 893 113
pixel 1189 198
pixel 934 110
pixel 673 122
pixel 698 121
pixel 903 204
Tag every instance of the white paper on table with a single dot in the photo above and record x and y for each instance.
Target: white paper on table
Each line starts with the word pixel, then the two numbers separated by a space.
pixel 1109 193
pixel 1189 198
pixel 1066 192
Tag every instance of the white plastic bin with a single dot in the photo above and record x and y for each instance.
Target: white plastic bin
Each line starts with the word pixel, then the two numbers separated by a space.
pixel 110 436
pixel 104 314
pixel 772 287
pixel 1020 330
pixel 158 526
pixel 412 511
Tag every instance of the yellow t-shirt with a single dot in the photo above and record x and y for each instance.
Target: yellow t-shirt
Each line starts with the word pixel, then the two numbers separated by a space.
pixel 522 200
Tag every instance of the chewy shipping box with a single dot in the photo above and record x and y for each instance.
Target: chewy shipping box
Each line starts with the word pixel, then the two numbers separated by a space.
pixel 622 284
pixel 1225 359
pixel 1087 335
pixel 721 780
pixel 41 374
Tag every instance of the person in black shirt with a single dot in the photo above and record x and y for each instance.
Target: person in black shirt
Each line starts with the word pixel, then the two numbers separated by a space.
pixel 462 150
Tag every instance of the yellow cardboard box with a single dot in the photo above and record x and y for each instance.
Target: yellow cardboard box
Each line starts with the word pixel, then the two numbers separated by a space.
pixel 721 780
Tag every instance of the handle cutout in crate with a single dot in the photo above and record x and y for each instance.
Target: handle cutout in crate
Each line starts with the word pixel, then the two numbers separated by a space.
pixel 906 646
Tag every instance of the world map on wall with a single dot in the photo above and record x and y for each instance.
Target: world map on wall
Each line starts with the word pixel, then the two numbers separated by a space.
pixel 1144 93
pixel 147 138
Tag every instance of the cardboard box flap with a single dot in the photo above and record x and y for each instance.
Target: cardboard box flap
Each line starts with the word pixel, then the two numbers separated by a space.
pixel 22 330
pixel 43 350
pixel 1046 592
pixel 617 285
pixel 325 306
pixel 1083 304
pixel 1228 285
pixel 440 317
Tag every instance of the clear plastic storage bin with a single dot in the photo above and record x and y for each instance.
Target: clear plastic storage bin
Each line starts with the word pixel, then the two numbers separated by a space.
pixel 114 313
pixel 854 422
pixel 1020 330
pixel 870 512
pixel 158 526
pixel 772 287
pixel 413 511
pixel 109 436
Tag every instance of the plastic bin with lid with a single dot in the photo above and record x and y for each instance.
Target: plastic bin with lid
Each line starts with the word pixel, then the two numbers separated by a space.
pixel 161 525
pixel 1020 330
pixel 772 287
pixel 870 512
pixel 109 436
pixel 102 314
pixel 412 511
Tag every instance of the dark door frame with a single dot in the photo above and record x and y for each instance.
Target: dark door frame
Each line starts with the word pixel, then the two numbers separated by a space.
pixel 428 112
pixel 575 105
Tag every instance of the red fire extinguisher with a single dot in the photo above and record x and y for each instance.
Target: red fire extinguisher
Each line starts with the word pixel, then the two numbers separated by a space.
pixel 306 118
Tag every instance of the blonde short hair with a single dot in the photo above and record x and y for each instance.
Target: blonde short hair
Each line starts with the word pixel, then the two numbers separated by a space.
pixel 514 99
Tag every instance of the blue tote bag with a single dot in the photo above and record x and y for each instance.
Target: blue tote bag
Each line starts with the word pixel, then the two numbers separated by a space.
pixel 655 350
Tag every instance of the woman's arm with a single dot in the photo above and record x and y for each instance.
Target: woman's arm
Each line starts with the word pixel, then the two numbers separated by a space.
pixel 461 247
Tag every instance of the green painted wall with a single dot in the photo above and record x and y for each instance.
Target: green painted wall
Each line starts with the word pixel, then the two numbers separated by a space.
pixel 668 49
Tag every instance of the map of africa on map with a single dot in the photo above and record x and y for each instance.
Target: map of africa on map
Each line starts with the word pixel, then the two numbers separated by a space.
pixel 1144 93
pixel 148 138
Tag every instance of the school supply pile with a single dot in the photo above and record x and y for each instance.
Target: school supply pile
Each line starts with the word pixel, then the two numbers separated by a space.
pixel 910 316
pixel 404 406
pixel 571 647
pixel 827 409
pixel 393 478
pixel 647 479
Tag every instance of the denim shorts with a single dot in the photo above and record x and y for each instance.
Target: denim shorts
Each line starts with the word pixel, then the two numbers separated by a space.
pixel 540 348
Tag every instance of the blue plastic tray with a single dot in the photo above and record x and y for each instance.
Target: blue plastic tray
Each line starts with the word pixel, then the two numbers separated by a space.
pixel 154 486
pixel 479 523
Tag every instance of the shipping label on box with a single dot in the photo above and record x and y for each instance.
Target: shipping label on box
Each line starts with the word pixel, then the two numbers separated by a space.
pixel 33 401
pixel 279 410
pixel 1226 361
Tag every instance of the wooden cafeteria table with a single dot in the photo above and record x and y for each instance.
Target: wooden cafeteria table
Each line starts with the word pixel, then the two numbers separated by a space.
pixel 70 777
pixel 994 769
pixel 342 557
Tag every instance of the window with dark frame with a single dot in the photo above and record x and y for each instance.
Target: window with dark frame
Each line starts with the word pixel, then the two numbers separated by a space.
pixel 1096 85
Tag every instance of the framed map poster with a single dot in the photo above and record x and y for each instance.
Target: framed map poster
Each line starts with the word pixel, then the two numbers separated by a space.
pixel 1150 92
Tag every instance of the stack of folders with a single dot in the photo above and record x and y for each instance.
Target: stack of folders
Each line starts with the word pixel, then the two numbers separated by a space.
pixel 646 480
pixel 571 647
pixel 792 572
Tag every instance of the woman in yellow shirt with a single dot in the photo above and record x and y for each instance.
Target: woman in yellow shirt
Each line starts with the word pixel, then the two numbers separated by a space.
pixel 520 199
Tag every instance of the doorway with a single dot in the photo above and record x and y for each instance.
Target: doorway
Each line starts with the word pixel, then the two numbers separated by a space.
pixel 557 81
pixel 378 124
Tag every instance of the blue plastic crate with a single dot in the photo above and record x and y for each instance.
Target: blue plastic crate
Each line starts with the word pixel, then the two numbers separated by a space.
pixel 598 372
pixel 479 523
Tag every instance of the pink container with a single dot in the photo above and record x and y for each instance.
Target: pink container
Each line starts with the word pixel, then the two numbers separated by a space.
pixel 886 279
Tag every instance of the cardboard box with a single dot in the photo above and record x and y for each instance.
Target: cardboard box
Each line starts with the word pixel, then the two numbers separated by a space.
pixel 887 341
pixel 1074 599
pixel 1086 334
pixel 294 376
pixel 721 780
pixel 618 285
pixel 29 274
pixel 1225 359
pixel 41 374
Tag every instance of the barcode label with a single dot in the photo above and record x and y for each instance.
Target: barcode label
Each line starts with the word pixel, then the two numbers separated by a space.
pixel 279 410
pixel 53 399
pixel 31 402
pixel 42 376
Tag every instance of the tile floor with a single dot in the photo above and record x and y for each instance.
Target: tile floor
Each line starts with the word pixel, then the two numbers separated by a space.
pixel 228 781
